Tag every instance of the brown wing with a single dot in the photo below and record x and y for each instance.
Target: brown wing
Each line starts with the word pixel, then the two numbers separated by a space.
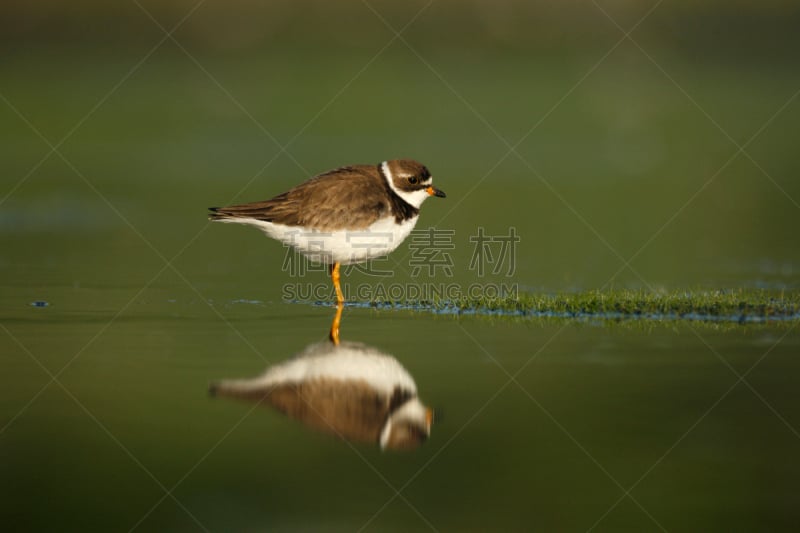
pixel 348 409
pixel 348 198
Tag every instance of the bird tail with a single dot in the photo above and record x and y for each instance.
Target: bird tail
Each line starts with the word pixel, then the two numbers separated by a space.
pixel 223 214
pixel 215 214
pixel 243 389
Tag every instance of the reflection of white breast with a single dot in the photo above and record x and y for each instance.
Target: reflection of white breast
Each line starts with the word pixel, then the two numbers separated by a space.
pixel 347 362
pixel 352 390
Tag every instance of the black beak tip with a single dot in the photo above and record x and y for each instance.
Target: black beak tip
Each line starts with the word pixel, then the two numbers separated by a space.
pixel 440 193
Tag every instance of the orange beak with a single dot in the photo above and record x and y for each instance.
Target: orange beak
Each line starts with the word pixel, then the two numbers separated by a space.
pixel 428 418
pixel 433 191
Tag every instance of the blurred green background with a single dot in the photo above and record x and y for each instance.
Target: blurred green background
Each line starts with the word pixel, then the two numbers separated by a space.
pixel 624 149
pixel 613 140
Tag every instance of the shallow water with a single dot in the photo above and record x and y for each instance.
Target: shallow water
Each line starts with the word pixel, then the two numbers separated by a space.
pixel 590 411
pixel 144 303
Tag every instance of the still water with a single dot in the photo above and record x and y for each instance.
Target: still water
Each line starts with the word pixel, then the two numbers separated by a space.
pixel 543 424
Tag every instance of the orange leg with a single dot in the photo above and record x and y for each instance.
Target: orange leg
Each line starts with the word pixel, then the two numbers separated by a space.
pixel 337 319
pixel 336 285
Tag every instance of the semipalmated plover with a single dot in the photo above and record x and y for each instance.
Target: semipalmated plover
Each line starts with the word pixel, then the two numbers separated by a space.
pixel 351 390
pixel 345 216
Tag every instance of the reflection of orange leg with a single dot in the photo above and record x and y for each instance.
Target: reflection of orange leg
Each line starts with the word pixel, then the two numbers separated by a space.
pixel 337 319
pixel 336 285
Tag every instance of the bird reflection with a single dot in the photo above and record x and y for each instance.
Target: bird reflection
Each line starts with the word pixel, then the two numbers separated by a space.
pixel 351 390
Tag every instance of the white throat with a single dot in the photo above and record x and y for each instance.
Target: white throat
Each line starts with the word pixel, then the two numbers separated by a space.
pixel 414 198
pixel 412 410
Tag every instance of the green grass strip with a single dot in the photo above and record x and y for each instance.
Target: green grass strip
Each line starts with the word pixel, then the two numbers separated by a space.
pixel 737 305
pixel 729 305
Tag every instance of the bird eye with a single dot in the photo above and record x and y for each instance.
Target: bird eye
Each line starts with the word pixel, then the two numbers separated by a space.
pixel 412 179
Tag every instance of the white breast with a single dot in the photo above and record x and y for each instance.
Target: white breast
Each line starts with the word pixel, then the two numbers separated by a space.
pixel 347 362
pixel 344 246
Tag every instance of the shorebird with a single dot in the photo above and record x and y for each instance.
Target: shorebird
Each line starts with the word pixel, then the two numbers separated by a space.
pixel 344 216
